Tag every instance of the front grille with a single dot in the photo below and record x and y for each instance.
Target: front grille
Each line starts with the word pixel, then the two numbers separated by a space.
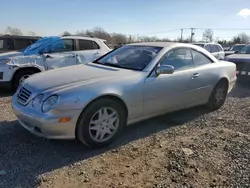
pixel 23 96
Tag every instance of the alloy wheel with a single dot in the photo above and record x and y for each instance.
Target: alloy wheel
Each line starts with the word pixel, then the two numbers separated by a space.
pixel 104 124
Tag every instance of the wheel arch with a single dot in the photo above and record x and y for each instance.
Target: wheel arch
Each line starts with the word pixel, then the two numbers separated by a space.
pixel 34 68
pixel 114 97
pixel 106 96
pixel 224 79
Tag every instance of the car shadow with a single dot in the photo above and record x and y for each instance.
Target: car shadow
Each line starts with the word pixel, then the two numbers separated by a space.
pixel 5 92
pixel 24 157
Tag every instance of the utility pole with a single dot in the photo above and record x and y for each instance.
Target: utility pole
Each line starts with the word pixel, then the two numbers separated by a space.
pixel 192 34
pixel 181 34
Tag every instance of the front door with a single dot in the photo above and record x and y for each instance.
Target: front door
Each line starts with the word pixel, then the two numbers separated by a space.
pixel 60 54
pixel 59 60
pixel 166 92
pixel 203 78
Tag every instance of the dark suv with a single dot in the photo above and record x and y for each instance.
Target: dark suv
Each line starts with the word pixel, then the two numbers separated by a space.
pixel 15 43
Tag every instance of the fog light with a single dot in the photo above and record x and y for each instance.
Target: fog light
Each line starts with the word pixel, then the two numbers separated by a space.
pixel 63 120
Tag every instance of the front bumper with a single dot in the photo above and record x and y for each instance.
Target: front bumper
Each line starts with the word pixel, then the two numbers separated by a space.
pixel 5 73
pixel 45 126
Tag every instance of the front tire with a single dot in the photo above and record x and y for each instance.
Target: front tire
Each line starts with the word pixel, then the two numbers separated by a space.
pixel 218 95
pixel 20 77
pixel 101 123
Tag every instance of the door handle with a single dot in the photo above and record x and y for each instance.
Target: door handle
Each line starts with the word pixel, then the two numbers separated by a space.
pixel 195 75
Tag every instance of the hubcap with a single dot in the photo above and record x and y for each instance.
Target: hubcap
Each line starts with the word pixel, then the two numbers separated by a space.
pixel 220 93
pixel 23 78
pixel 103 124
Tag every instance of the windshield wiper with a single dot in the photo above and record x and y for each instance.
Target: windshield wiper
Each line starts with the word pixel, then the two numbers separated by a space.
pixel 112 65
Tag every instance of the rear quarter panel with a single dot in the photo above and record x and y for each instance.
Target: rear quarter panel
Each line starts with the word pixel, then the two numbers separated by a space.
pixel 227 70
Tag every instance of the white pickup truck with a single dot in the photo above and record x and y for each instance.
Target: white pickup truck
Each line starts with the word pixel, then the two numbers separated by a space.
pixel 17 66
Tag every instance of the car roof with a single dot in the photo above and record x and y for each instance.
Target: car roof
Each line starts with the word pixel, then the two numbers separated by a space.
pixel 206 43
pixel 157 44
pixel 17 36
pixel 80 37
pixel 166 44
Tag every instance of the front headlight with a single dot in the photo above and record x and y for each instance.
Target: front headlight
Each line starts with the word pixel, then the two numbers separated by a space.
pixel 4 61
pixel 49 103
pixel 37 101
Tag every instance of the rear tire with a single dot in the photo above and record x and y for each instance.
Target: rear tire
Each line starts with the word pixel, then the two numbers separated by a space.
pixel 218 95
pixel 96 131
pixel 20 76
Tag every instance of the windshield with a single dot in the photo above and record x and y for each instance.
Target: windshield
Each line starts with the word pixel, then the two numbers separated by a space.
pixel 245 50
pixel 201 45
pixel 236 47
pixel 130 57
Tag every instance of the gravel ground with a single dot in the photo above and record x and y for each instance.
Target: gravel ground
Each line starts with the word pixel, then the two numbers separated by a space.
pixel 190 148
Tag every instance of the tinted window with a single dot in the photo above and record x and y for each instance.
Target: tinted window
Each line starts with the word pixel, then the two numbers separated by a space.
pixel 178 58
pixel 236 47
pixel 87 45
pixel 60 46
pixel 245 50
pixel 9 44
pixel 214 48
pixel 200 59
pixel 207 47
pixel 1 44
pixel 21 43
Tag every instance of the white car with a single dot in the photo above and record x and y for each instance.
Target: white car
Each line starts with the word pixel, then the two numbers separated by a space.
pixel 51 53
pixel 215 49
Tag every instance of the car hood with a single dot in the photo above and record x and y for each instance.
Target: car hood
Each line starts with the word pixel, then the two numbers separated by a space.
pixel 245 58
pixel 77 75
pixel 10 54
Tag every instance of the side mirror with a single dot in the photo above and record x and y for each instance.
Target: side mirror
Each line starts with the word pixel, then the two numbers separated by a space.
pixel 236 52
pixel 164 69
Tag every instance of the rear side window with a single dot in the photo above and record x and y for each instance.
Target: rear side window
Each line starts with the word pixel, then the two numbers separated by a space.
pixel 87 45
pixel 200 59
pixel 1 44
pixel 105 42
pixel 179 58
pixel 9 44
pixel 207 47
pixel 214 48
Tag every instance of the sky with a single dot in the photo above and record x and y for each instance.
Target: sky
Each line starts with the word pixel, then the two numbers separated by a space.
pixel 161 18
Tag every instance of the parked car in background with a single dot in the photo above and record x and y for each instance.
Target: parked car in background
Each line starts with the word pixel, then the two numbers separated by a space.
pixel 215 49
pixel 226 48
pixel 94 101
pixel 49 53
pixel 242 61
pixel 234 48
pixel 10 43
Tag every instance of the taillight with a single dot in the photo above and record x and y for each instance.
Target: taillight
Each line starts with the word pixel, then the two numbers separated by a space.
pixel 235 73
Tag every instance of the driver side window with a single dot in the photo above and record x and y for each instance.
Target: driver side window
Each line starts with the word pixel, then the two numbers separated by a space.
pixel 180 58
pixel 64 45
